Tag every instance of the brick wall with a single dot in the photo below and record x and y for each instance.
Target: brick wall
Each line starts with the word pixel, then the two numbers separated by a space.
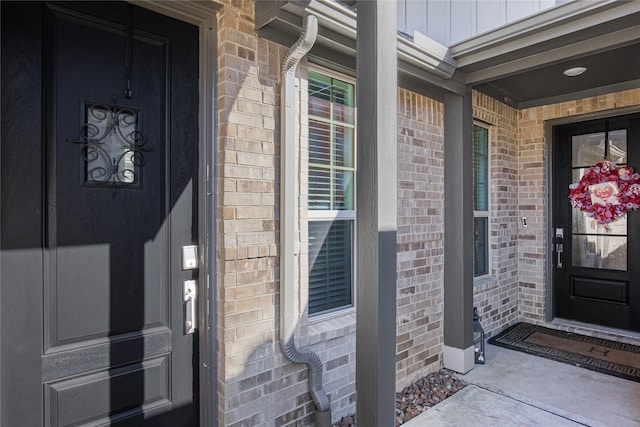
pixel 496 296
pixel 420 238
pixel 516 288
pixel 257 386
pixel 532 187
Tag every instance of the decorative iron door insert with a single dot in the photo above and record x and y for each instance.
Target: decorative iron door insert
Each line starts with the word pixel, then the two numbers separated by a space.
pixel 112 144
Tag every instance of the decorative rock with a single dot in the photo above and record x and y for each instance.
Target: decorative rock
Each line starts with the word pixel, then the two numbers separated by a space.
pixel 419 396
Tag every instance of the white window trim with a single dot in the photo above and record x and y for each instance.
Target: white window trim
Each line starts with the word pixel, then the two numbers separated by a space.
pixel 331 215
pixel 319 215
pixel 487 213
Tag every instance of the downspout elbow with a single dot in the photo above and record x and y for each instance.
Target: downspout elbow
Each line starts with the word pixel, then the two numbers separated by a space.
pixel 302 46
pixel 289 314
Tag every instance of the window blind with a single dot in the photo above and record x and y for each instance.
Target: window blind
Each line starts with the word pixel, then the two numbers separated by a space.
pixel 330 248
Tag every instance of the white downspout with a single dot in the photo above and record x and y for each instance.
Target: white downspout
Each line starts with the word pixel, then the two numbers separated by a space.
pixel 289 310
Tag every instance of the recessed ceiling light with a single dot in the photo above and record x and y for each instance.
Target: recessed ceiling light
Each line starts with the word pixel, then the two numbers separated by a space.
pixel 575 71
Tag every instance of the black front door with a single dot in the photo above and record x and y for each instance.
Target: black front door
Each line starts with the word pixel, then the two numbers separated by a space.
pixel 99 176
pixel 596 266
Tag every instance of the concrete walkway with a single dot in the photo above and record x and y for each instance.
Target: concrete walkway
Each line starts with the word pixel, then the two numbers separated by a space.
pixel 517 389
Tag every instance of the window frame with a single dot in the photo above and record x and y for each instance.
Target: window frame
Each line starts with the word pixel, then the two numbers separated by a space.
pixel 483 213
pixel 334 214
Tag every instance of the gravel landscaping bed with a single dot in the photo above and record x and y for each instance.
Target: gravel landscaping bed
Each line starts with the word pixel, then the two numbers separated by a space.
pixel 419 396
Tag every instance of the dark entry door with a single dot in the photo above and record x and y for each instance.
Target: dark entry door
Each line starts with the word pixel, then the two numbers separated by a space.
pixel 596 268
pixel 99 155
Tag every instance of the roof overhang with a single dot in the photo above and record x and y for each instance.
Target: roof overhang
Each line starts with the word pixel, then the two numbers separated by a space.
pixel 420 61
pixel 520 63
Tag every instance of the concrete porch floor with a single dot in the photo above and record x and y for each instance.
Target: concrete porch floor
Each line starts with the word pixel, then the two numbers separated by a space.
pixel 517 389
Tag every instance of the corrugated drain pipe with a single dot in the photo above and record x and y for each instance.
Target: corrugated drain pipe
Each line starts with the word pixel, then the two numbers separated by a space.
pixel 289 307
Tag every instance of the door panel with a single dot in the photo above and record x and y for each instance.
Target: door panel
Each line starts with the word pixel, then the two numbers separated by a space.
pixel 106 396
pixel 103 194
pixel 107 243
pixel 595 278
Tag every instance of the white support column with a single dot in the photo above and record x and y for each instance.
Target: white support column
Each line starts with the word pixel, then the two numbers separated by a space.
pixel 376 198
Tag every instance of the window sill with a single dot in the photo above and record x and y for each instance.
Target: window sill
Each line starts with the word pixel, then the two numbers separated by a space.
pixel 335 314
pixel 483 284
pixel 326 326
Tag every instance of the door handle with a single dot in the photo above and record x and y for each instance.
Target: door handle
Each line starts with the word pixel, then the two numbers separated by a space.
pixel 189 293
pixel 559 251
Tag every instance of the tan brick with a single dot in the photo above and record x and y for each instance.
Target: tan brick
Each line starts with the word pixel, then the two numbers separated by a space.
pixel 250 304
pixel 237 292
pixel 253 212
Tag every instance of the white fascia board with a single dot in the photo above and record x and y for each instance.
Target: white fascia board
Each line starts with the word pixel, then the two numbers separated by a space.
pixel 192 12
pixel 423 53
pixel 331 15
pixel 540 28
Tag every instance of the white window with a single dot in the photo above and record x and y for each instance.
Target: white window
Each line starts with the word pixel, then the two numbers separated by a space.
pixel 481 265
pixel 331 192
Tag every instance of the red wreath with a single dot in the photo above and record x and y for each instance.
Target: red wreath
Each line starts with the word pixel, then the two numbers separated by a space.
pixel 606 192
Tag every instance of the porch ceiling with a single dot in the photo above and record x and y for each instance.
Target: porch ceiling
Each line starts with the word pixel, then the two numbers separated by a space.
pixel 607 71
pixel 520 64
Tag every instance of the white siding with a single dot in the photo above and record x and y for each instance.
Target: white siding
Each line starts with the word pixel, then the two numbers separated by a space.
pixel 451 21
pixel 519 9
pixel 438 18
pixel 490 14
pixel 462 19
pixel 416 14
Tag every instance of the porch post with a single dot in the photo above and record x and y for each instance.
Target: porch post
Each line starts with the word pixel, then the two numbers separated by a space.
pixel 376 197
pixel 458 232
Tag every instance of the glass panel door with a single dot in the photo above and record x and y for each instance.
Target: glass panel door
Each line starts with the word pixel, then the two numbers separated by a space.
pixel 595 268
pixel 594 245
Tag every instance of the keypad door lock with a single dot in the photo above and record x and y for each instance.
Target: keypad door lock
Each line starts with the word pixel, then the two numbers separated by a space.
pixel 189 257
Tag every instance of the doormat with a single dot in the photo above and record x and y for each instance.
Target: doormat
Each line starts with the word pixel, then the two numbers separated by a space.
pixel 605 356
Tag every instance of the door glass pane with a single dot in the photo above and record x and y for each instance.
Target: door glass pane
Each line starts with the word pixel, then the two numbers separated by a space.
pixel 599 251
pixel 595 246
pixel 583 224
pixel 576 174
pixel 618 146
pixel 113 146
pixel 587 149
